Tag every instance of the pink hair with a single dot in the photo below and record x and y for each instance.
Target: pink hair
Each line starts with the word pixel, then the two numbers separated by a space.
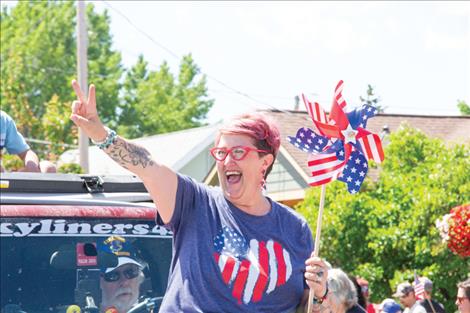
pixel 262 128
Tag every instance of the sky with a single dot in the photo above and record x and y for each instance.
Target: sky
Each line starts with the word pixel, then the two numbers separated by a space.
pixel 260 55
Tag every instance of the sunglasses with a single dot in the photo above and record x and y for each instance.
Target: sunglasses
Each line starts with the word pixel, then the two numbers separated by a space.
pixel 460 300
pixel 129 273
pixel 238 153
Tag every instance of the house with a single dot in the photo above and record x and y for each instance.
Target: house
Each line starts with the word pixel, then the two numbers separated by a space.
pixel 187 151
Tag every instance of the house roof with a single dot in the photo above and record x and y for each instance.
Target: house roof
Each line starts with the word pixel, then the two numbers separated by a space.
pixel 451 129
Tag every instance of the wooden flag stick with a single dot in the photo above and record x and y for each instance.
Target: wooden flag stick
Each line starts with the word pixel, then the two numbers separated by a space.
pixel 316 249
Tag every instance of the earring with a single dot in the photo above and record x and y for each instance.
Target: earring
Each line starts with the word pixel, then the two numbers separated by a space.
pixel 263 180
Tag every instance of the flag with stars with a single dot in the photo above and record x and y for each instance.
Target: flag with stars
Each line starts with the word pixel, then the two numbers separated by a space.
pixel 358 117
pixel 343 147
pixel 354 172
pixel 307 141
pixel 250 270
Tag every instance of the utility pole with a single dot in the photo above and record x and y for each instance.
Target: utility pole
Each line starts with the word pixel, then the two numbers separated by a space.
pixel 82 72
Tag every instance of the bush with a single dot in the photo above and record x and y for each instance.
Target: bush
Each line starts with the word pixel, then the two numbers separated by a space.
pixel 388 230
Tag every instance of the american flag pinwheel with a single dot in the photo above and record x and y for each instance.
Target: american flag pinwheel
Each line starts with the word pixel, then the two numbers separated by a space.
pixel 343 146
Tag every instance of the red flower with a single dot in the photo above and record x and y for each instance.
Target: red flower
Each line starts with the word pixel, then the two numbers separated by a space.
pixel 459 230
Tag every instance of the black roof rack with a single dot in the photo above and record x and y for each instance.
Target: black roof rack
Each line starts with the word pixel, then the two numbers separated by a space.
pixel 68 183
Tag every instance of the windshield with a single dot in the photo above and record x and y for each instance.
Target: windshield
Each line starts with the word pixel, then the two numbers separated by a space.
pixel 49 265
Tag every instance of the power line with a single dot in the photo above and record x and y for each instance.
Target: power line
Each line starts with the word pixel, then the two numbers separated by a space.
pixel 174 54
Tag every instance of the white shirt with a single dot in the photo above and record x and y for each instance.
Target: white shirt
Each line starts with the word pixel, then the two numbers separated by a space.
pixel 416 308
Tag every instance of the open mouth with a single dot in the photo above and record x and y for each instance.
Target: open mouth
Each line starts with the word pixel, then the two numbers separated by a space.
pixel 233 177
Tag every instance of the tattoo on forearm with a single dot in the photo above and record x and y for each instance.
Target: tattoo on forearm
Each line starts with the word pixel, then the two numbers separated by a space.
pixel 128 154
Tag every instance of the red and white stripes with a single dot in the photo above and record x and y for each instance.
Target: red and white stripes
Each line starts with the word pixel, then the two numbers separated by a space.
pixel 266 266
pixel 325 167
pixel 372 147
pixel 339 95
pixel 315 111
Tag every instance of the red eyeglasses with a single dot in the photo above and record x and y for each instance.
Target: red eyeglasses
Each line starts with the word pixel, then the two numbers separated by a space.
pixel 238 153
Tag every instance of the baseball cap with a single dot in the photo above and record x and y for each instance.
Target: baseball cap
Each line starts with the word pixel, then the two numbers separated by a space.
pixel 389 306
pixel 122 261
pixel 427 283
pixel 403 289
pixel 120 247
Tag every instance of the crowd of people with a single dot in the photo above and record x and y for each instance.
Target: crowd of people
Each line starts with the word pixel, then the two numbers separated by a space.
pixel 349 294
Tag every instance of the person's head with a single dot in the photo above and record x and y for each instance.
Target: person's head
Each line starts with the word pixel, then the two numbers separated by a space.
pixel 463 296
pixel 120 285
pixel 342 293
pixel 245 150
pixel 405 294
pixel 364 286
pixel 361 299
pixel 389 306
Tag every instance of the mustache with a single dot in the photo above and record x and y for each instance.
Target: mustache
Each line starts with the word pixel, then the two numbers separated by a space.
pixel 123 290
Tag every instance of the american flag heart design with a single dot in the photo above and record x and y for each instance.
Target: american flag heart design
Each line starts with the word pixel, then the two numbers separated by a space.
pixel 250 269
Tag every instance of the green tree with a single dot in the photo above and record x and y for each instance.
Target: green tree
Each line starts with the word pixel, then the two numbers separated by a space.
pixel 104 66
pixel 38 57
pixel 372 99
pixel 388 229
pixel 57 129
pixel 130 121
pixel 157 102
pixel 464 108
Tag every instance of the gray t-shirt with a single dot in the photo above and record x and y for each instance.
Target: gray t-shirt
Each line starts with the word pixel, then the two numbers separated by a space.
pixel 225 260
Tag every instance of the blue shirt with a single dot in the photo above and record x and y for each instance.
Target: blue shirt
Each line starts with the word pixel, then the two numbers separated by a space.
pixel 225 260
pixel 10 138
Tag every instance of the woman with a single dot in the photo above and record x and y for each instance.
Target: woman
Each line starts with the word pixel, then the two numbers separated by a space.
pixel 342 295
pixel 234 250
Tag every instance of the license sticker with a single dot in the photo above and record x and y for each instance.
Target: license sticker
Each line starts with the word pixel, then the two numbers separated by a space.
pixel 86 254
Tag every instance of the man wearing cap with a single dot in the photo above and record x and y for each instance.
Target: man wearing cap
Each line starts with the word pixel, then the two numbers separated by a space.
pixel 430 305
pixel 406 294
pixel 120 285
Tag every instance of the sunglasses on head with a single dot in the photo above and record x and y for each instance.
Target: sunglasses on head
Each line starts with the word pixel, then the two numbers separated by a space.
pixel 460 300
pixel 115 275
pixel 237 153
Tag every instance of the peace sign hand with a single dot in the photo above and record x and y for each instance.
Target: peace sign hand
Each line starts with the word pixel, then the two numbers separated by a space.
pixel 85 115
